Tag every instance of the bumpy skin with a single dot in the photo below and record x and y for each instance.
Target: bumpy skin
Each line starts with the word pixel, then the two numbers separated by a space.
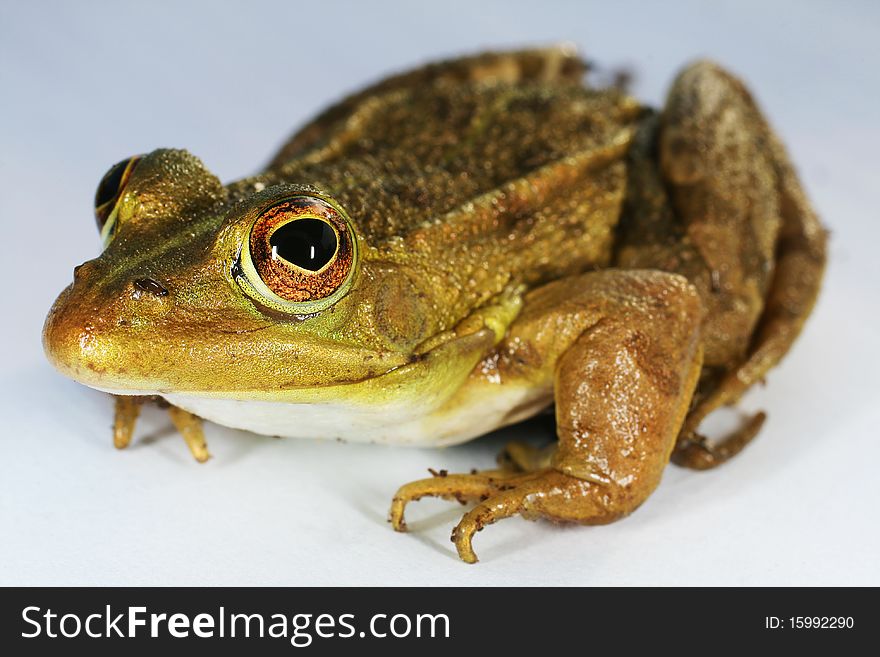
pixel 523 240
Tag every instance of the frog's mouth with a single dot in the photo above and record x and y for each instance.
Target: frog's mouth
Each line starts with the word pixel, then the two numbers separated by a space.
pixel 197 360
pixel 241 358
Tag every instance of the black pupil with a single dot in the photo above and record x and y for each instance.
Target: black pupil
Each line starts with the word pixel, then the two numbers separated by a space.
pixel 306 243
pixel 109 184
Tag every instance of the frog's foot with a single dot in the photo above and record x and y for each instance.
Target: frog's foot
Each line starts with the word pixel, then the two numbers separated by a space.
pixel 190 426
pixel 547 494
pixel 696 452
pixel 476 486
pixel 543 493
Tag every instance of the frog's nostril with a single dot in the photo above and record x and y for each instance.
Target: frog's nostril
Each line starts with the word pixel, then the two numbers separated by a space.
pixel 82 270
pixel 150 286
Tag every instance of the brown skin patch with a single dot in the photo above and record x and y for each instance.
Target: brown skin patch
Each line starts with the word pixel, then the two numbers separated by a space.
pixel 285 279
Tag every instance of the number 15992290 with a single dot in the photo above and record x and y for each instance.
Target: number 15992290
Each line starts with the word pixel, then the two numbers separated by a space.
pixel 809 622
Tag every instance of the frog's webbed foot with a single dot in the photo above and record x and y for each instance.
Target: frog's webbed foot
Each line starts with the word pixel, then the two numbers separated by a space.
pixel 190 426
pixel 696 452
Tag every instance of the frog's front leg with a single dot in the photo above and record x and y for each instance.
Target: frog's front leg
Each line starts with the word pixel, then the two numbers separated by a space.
pixel 188 425
pixel 127 410
pixel 463 488
pixel 623 351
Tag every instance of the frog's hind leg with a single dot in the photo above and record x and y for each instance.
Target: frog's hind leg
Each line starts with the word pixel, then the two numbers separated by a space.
pixel 733 186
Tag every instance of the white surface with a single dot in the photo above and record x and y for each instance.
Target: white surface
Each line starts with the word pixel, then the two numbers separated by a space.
pixel 85 84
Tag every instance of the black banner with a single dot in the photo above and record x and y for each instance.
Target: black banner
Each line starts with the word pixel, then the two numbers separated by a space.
pixel 334 620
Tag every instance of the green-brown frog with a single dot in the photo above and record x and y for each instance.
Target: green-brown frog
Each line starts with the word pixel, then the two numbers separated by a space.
pixel 452 250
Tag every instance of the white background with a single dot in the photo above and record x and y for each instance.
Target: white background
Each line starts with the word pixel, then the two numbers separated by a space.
pixel 85 84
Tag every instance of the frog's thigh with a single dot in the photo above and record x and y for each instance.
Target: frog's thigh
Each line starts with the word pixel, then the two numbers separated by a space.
pixel 733 186
pixel 622 387
pixel 714 157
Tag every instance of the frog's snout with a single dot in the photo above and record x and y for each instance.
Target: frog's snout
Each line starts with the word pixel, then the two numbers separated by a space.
pixel 90 330
pixel 141 285
pixel 67 333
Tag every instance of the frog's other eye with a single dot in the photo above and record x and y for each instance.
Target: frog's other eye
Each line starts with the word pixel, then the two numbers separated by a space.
pixel 108 194
pixel 300 255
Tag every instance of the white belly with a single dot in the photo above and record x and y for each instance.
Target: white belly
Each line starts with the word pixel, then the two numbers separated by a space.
pixel 478 411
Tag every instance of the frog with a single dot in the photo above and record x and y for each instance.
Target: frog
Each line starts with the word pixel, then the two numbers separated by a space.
pixel 455 249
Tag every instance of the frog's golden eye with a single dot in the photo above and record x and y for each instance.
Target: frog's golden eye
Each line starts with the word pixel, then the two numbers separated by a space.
pixel 300 255
pixel 109 191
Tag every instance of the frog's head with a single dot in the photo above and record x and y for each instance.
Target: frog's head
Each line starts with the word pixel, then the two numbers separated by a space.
pixel 204 290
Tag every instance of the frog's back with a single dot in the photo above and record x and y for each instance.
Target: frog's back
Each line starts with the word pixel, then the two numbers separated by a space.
pixel 514 158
